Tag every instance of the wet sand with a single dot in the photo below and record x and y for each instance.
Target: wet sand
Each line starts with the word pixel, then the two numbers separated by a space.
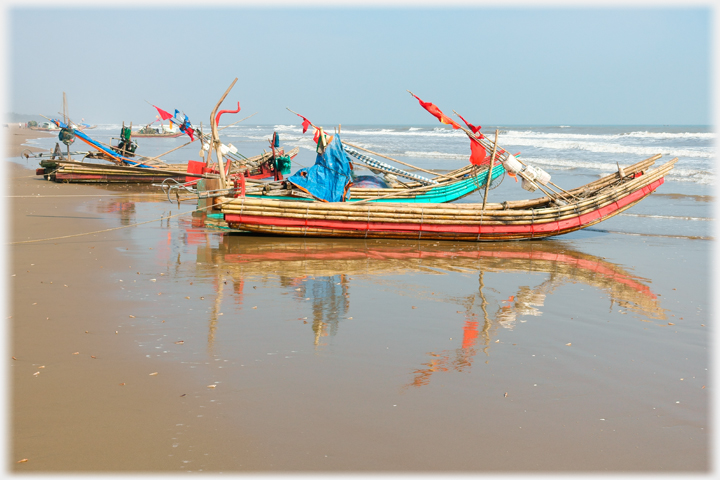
pixel 578 355
pixel 93 406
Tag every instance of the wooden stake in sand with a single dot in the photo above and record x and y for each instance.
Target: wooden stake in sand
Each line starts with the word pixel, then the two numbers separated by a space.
pixel 492 162
pixel 216 137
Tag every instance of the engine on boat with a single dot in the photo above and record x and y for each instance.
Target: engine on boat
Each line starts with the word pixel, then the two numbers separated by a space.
pixel 126 146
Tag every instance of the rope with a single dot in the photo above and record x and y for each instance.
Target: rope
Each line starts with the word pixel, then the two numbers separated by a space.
pixel 532 224
pixel 307 209
pixel 116 228
pixel 422 218
pixel 367 223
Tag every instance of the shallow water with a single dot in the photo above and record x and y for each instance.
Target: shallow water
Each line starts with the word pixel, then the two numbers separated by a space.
pixel 583 353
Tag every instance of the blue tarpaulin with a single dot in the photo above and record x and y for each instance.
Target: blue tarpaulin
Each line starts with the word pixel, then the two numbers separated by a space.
pixel 331 176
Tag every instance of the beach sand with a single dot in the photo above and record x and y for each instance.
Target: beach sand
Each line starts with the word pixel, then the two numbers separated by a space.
pixel 580 355
pixel 94 405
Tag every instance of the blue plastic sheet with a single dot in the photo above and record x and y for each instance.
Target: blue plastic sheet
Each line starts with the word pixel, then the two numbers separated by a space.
pixel 331 176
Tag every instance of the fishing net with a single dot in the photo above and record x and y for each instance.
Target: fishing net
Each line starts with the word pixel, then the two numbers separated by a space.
pixel 481 175
pixel 283 164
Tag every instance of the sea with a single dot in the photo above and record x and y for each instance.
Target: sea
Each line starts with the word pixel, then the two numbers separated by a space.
pixel 587 352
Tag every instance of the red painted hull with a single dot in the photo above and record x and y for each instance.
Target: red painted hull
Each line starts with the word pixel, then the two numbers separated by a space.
pixel 459 231
pixel 123 178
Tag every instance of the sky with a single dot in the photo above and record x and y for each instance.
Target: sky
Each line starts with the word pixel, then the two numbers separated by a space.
pixel 545 65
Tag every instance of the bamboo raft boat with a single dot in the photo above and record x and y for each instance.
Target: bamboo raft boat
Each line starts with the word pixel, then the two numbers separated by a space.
pixel 513 220
pixel 65 171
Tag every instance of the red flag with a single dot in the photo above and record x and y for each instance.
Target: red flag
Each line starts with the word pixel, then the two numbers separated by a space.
pixel 472 127
pixel 437 112
pixel 163 114
pixel 306 123
pixel 478 153
pixel 190 132
pixel 316 137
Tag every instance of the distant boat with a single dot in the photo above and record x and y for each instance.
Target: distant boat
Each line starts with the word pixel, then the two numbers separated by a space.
pixel 45 127
pixel 159 132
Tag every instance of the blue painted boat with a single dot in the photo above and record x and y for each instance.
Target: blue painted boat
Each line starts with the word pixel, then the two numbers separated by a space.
pixel 106 150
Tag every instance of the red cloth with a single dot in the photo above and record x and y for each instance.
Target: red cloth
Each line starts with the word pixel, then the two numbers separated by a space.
pixel 437 113
pixel 306 123
pixel 470 125
pixel 478 154
pixel 163 114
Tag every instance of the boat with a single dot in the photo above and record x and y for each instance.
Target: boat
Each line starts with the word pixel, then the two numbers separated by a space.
pixel 160 132
pixel 64 171
pixel 538 218
pixel 125 167
pixel 44 127
pixel 307 184
pixel 453 186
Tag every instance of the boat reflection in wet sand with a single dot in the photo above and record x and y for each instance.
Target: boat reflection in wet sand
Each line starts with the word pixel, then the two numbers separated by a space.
pixel 330 264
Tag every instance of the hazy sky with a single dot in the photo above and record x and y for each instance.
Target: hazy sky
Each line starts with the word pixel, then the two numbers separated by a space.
pixel 495 66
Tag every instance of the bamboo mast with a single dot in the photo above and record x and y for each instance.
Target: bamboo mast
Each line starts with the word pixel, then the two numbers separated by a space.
pixel 67 122
pixel 477 140
pixel 204 136
pixel 492 161
pixel 216 137
pixel 440 175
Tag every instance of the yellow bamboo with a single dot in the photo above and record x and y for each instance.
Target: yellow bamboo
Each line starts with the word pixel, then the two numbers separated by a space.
pixel 492 161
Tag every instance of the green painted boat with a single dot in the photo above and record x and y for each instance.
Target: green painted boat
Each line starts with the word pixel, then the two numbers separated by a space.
pixel 456 185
